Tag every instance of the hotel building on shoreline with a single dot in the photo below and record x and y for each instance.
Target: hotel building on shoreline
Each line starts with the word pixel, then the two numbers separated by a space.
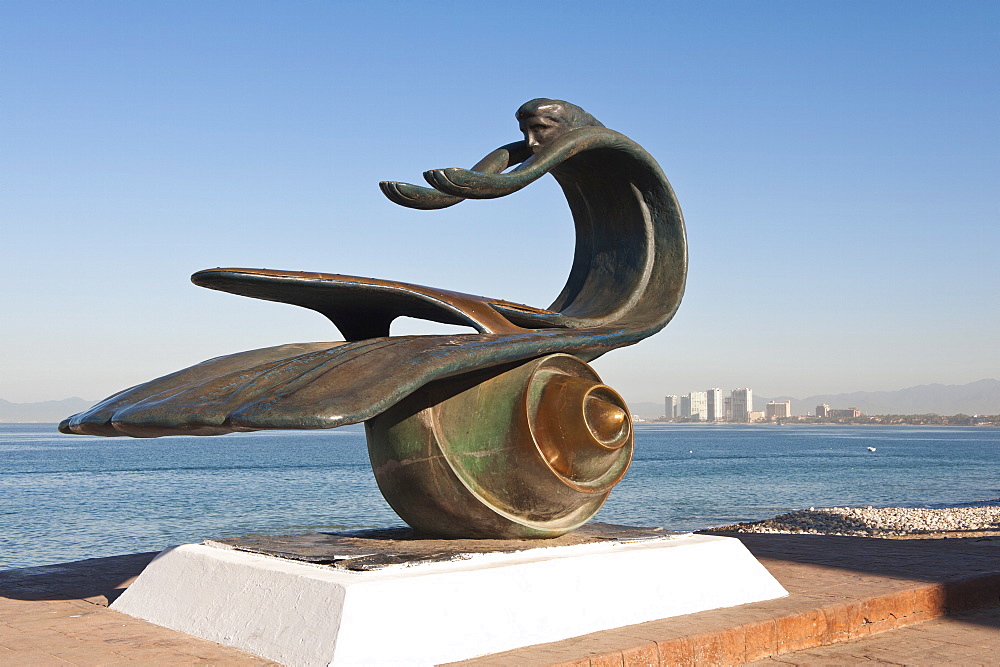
pixel 694 406
pixel 778 410
pixel 672 406
pixel 716 412
pixel 742 405
pixel 711 406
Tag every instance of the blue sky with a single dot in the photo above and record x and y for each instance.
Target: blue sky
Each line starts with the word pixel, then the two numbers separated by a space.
pixel 837 163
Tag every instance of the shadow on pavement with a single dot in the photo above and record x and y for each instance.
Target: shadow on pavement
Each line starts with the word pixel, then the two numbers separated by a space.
pixel 967 569
pixel 98 580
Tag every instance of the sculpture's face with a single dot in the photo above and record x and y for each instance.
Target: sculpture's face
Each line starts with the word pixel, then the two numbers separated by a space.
pixel 540 130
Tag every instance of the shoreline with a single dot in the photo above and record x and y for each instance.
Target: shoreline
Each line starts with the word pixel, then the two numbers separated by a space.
pixel 976 523
pixel 981 521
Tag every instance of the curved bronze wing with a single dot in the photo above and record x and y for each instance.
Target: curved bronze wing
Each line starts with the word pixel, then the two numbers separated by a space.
pixel 626 282
pixel 630 263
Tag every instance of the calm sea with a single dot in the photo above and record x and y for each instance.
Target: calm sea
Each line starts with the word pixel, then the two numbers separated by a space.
pixel 66 498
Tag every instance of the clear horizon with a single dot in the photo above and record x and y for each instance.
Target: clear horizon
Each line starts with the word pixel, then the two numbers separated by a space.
pixel 639 400
pixel 836 164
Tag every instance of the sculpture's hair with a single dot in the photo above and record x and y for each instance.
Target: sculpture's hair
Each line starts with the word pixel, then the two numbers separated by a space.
pixel 560 110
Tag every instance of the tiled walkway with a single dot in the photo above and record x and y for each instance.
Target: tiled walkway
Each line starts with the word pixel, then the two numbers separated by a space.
pixel 970 638
pixel 58 615
pixel 841 588
pixel 843 591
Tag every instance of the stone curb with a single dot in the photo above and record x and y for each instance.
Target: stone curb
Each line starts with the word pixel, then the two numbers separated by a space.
pixel 811 628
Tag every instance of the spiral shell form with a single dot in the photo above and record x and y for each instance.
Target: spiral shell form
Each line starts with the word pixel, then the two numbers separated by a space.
pixel 517 452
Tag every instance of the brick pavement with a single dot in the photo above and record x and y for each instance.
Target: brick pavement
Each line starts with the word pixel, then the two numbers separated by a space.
pixel 58 615
pixel 842 589
pixel 969 638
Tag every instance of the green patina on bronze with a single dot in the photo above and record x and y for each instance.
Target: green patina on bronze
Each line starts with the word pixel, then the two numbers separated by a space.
pixel 474 450
pixel 469 434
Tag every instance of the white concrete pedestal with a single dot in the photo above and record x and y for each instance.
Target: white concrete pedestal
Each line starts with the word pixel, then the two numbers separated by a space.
pixel 302 614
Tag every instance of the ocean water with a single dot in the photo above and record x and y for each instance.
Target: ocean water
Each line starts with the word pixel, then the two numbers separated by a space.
pixel 65 498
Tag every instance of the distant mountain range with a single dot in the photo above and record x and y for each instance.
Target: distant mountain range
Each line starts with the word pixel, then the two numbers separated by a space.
pixel 982 397
pixel 44 412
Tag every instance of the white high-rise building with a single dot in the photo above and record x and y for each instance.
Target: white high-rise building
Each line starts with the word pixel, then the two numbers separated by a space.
pixel 742 405
pixel 699 405
pixel 671 406
pixel 776 410
pixel 694 406
pixel 715 409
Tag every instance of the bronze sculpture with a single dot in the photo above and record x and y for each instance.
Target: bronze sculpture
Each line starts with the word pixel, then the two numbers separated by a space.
pixel 503 433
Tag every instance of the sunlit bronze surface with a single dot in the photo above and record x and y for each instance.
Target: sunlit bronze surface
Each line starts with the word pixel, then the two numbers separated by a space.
pixel 499 454
pixel 556 443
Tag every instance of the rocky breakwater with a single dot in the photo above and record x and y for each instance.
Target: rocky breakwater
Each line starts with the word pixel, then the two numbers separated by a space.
pixel 870 521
